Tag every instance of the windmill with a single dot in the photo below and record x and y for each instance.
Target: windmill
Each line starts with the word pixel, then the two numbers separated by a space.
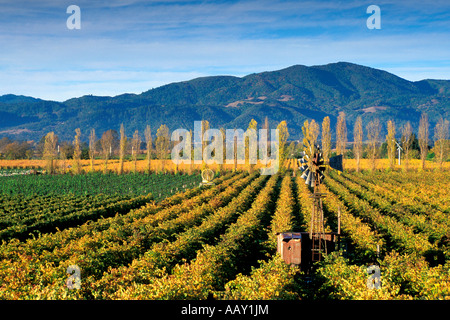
pixel 399 149
pixel 313 169
pixel 207 178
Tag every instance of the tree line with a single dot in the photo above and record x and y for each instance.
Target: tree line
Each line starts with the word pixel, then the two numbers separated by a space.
pixel 367 144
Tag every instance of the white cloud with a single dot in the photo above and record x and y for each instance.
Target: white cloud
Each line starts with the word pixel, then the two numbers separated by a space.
pixel 132 46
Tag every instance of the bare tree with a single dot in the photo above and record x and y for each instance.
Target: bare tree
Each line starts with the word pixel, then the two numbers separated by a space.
pixel 423 138
pixel 390 140
pixel 265 152
pixel 205 126
pixel 224 151
pixel 123 147
pixel 135 146
pixel 107 144
pixel 148 141
pixel 77 151
pixel 63 151
pixel 373 133
pixel 162 143
pixel 252 125
pixel 92 142
pixel 191 163
pixel 441 144
pixel 358 143
pixel 407 140
pixel 341 135
pixel 326 139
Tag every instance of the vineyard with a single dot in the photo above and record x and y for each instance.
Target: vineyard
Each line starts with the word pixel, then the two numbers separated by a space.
pixel 162 236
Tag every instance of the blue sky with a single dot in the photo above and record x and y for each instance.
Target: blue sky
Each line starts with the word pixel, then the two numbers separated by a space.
pixel 130 46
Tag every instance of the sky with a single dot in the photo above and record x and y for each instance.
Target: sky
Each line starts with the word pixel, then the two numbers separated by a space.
pixel 131 46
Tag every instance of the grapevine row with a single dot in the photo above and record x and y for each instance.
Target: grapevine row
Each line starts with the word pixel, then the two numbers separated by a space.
pixel 117 246
pixel 163 256
pixel 400 234
pixel 214 265
pixel 430 228
pixel 273 279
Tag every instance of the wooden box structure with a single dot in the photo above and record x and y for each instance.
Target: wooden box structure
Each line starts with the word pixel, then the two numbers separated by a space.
pixel 300 248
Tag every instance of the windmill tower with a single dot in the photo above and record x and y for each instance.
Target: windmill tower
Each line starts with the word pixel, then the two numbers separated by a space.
pixel 305 248
pixel 313 168
pixel 399 149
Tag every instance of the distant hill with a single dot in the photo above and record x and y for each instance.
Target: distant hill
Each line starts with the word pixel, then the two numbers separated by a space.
pixel 293 94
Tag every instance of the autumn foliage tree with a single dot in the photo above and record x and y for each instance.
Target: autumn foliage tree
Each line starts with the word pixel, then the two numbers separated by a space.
pixel 205 127
pixel 92 141
pixel 283 135
pixel 373 133
pixel 123 147
pixel 390 140
pixel 135 149
pixel 311 131
pixel 162 144
pixel 253 125
pixel 77 152
pixel 50 151
pixel 107 143
pixel 407 140
pixel 148 141
pixel 326 139
pixel 441 144
pixel 341 135
pixel 358 143
pixel 423 138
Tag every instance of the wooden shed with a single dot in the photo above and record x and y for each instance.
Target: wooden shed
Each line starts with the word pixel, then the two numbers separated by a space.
pixel 299 248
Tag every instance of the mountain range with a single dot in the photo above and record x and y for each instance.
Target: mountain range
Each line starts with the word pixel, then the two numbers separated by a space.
pixel 294 94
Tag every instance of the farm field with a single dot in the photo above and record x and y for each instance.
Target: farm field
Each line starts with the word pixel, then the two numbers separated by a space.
pixel 219 241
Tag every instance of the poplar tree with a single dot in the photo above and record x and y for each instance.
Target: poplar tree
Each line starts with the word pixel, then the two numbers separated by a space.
pixel 283 135
pixel 252 125
pixel 162 143
pixel 135 147
pixel 92 141
pixel 50 152
pixel 407 140
pixel 326 139
pixel 148 141
pixel 423 138
pixel 224 150
pixel 441 144
pixel 311 133
pixel 77 152
pixel 63 158
pixel 267 151
pixel 358 143
pixel 205 126
pixel 373 133
pixel 390 140
pixel 123 147
pixel 106 143
pixel 341 135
